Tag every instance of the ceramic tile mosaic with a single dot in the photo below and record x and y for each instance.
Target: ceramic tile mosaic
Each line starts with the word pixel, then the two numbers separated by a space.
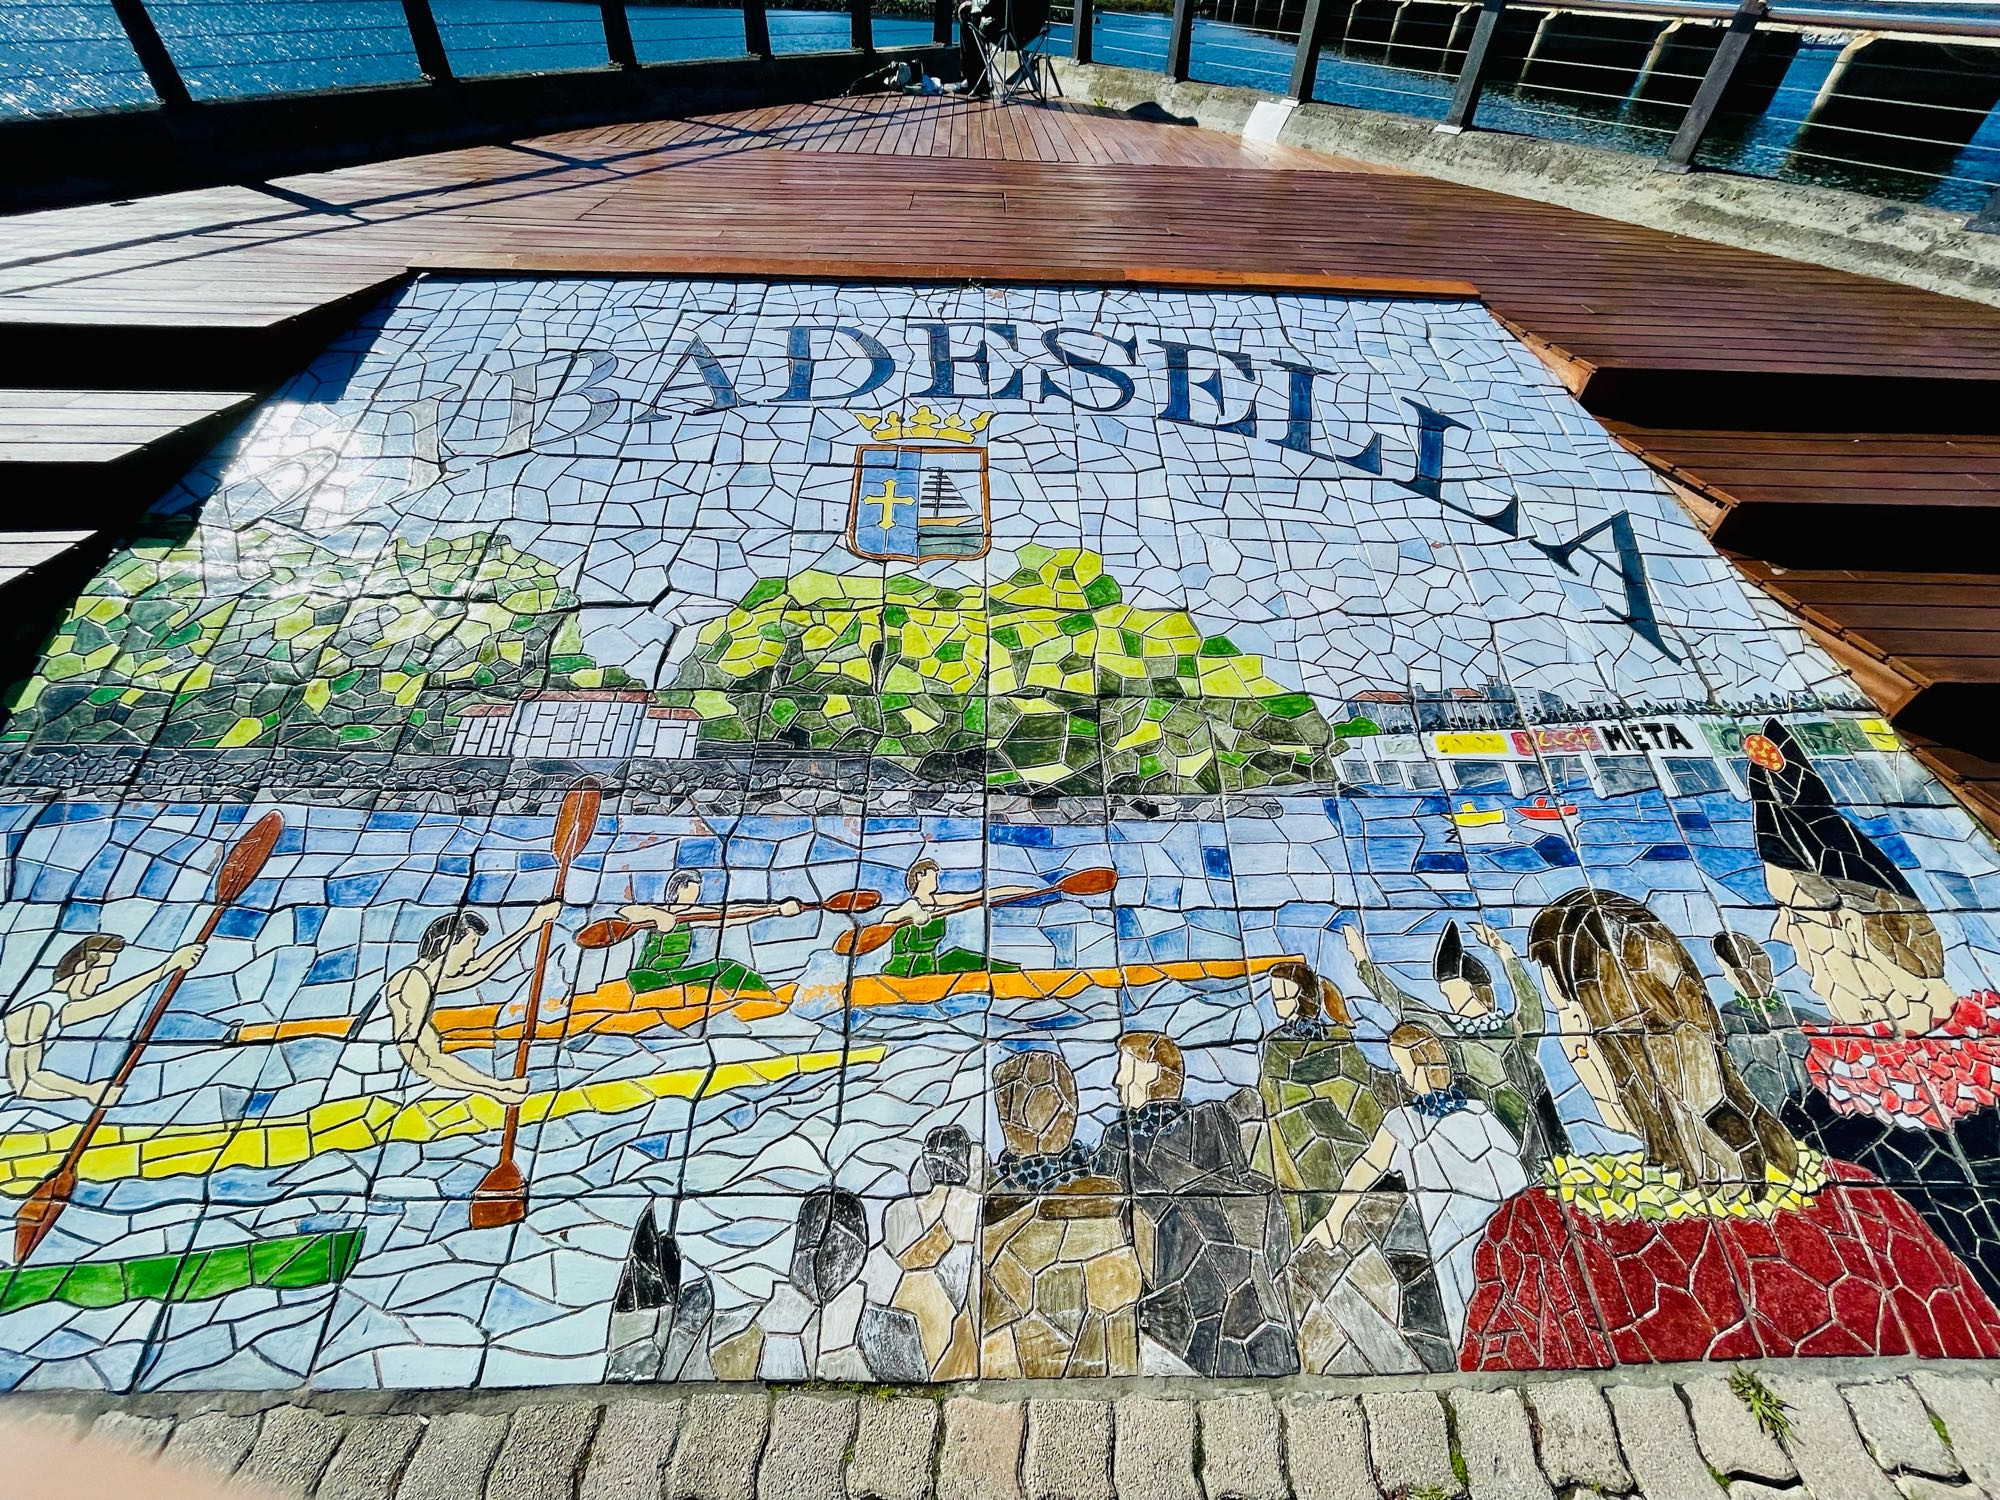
pixel 642 830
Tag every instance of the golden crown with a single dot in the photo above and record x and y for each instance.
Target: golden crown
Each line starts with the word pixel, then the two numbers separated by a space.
pixel 894 426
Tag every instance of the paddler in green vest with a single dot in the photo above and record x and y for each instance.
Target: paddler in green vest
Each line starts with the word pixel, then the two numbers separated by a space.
pixel 918 948
pixel 666 959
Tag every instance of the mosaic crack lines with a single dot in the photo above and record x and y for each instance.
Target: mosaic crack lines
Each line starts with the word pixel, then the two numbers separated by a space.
pixel 645 830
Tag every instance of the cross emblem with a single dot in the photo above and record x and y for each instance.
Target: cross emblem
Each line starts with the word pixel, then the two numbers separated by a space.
pixel 888 500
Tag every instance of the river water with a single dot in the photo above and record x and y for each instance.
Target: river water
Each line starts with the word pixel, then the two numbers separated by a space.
pixel 57 57
pixel 1763 146
pixel 434 1302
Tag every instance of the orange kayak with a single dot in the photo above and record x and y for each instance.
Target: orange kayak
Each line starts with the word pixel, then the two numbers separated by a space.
pixel 614 1010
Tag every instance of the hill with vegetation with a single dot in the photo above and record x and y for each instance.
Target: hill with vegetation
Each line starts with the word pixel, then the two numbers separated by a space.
pixel 1047 680
pixel 283 641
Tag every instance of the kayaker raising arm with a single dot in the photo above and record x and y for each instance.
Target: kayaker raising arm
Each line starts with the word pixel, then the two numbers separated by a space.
pixel 79 993
pixel 449 961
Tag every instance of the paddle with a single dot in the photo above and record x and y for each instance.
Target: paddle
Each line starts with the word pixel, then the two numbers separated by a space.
pixel 609 932
pixel 502 1195
pixel 240 866
pixel 1097 881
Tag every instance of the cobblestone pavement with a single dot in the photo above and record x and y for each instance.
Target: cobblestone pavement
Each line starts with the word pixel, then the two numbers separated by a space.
pixel 1869 1434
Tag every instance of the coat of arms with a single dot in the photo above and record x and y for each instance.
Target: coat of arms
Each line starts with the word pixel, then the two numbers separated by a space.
pixel 920 488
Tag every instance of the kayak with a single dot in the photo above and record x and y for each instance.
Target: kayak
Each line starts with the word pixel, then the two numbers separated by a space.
pixel 360 1123
pixel 614 1009
pixel 288 1262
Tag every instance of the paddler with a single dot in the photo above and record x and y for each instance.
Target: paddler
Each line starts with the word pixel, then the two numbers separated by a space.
pixel 917 948
pixel 79 992
pixel 448 962
pixel 667 956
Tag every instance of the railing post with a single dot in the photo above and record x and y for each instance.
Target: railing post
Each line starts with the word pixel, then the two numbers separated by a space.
pixel 431 61
pixel 1180 40
pixel 941 21
pixel 756 29
pixel 1305 62
pixel 152 53
pixel 1472 72
pixel 1714 84
pixel 861 24
pixel 1987 220
pixel 1081 21
pixel 618 35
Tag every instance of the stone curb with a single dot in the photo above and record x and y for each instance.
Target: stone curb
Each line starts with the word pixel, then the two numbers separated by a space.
pixel 1868 1434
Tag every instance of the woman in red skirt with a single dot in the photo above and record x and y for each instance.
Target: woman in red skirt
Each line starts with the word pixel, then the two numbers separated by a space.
pixel 1721 1237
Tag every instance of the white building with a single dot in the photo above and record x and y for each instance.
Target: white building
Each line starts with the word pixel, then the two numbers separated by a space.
pixel 607 724
pixel 1684 756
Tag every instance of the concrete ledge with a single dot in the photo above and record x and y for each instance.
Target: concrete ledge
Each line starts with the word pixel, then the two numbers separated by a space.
pixel 1907 243
pixel 1857 1428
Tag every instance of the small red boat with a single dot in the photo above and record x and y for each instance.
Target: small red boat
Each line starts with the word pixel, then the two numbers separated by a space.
pixel 1541 812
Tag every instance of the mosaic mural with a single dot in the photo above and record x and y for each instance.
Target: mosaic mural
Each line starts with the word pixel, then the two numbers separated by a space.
pixel 642 830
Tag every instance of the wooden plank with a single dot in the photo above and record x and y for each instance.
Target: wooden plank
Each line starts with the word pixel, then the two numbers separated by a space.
pixel 21 552
pixel 1100 191
pixel 56 448
pixel 783 266
pixel 52 427
pixel 1865 592
pixel 1933 670
pixel 1867 489
pixel 1933 477
pixel 1972 654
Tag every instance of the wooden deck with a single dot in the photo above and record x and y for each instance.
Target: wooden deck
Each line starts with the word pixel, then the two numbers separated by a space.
pixel 1867 538
pixel 1744 378
pixel 958 186
pixel 55 430
pixel 1794 497
pixel 1909 634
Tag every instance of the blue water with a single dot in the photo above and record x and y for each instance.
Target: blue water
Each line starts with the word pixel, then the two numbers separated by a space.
pixel 1762 146
pixel 61 57
pixel 64 55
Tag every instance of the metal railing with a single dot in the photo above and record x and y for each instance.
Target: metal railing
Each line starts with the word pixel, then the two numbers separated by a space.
pixel 1429 58
pixel 1446 69
pixel 60 57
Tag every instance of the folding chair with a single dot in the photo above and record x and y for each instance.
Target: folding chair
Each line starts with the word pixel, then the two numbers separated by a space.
pixel 1033 71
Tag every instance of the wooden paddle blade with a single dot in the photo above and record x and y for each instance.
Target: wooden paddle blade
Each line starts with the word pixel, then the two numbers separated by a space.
pixel 245 859
pixel 608 932
pixel 501 1197
pixel 39 1211
pixel 498 1212
pixel 1098 881
pixel 852 901
pixel 576 821
pixel 868 939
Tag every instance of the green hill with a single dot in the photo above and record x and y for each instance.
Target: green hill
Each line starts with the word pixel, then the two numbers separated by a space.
pixel 1045 681
pixel 284 641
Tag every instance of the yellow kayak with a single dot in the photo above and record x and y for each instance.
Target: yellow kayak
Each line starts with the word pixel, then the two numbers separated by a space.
pixel 359 1124
pixel 614 1008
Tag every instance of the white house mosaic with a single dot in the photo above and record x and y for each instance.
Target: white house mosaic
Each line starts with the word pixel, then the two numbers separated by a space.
pixel 649 830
